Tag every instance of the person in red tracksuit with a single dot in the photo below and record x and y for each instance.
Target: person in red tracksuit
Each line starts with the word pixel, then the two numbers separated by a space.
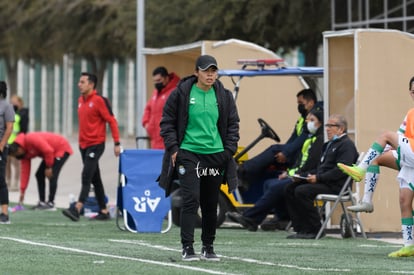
pixel 164 84
pixel 54 150
pixel 94 112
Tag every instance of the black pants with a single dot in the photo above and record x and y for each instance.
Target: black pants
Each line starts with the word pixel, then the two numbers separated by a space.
pixel 41 181
pixel 92 174
pixel 200 178
pixel 300 203
pixel 4 192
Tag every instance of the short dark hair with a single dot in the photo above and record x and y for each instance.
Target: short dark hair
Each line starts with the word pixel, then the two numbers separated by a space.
pixel 411 83
pixel 13 148
pixel 318 112
pixel 160 70
pixel 91 78
pixel 307 94
pixel 3 89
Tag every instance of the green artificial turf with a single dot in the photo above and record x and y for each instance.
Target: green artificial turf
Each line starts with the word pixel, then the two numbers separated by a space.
pixel 46 242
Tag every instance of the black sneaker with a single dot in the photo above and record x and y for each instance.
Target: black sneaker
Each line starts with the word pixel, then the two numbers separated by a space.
pixel 102 216
pixel 189 255
pixel 207 253
pixel 274 224
pixel 41 205
pixel 4 219
pixel 50 206
pixel 71 213
pixel 248 223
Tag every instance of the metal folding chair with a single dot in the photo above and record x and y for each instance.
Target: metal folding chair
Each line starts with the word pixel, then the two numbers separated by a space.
pixel 141 202
pixel 346 195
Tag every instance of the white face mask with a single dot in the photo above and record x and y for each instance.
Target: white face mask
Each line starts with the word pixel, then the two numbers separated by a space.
pixel 311 127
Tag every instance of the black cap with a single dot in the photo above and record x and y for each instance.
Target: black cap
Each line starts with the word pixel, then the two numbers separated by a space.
pixel 206 61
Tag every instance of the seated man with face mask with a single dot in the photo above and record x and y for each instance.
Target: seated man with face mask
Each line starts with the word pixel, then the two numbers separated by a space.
pixel 54 150
pixel 273 197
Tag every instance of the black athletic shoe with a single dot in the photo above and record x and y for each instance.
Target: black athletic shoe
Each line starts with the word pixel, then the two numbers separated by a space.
pixel 41 205
pixel 274 224
pixel 207 253
pixel 189 255
pixel 244 221
pixel 50 206
pixel 102 217
pixel 4 219
pixel 71 213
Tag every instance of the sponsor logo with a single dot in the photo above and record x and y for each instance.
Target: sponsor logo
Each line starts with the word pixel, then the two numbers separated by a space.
pixel 143 203
pixel 372 182
pixel 371 156
pixel 409 232
pixel 203 172
pixel 181 170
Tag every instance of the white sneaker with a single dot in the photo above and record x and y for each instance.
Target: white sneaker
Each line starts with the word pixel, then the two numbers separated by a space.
pixel 361 207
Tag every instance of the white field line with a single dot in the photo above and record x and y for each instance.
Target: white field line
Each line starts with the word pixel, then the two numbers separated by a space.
pixel 76 250
pixel 247 260
pixel 375 245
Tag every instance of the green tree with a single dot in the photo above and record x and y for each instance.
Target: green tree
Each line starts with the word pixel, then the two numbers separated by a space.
pixel 99 31
pixel 44 30
pixel 105 30
pixel 273 24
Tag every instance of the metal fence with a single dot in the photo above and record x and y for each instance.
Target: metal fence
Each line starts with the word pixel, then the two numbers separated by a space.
pixel 50 92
